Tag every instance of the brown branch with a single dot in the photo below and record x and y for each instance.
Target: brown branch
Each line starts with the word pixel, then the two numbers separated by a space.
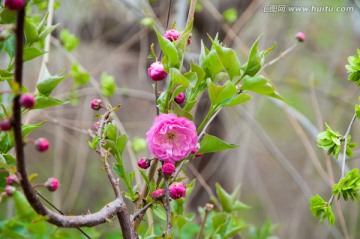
pixel 105 214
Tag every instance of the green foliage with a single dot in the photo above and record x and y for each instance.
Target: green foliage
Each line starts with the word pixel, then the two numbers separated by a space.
pixel 332 141
pixel 354 68
pixel 230 15
pixel 211 144
pixel 80 76
pixel 266 231
pixel 48 82
pixel 69 40
pixel 348 187
pixel 171 57
pixel 107 84
pixel 322 209
pixel 259 84
pixel 229 202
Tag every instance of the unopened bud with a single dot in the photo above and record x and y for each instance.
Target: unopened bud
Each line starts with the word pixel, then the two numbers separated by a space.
pixel 158 194
pixel 180 98
pixel 52 184
pixel 10 190
pixel 42 144
pixel 168 168
pixel 143 163
pixel 157 72
pixel 5 124
pixel 12 179
pixel 27 100
pixel 300 36
pixel 14 5
pixel 96 104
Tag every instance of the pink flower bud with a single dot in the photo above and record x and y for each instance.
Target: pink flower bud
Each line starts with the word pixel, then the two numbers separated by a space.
pixel 158 194
pixel 300 36
pixel 12 179
pixel 172 35
pixel 143 163
pixel 180 98
pixel 42 144
pixel 5 124
pixel 10 190
pixel 177 190
pixel 14 5
pixel 96 104
pixel 96 125
pixel 156 71
pixel 52 184
pixel 168 168
pixel 27 100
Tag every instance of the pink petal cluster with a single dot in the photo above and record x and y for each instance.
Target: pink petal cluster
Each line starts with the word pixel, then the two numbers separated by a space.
pixel 172 35
pixel 5 124
pixel 158 194
pixel 177 190
pixel 143 163
pixel 171 138
pixel 14 5
pixel 42 144
pixel 96 104
pixel 52 184
pixel 168 168
pixel 157 72
pixel 27 101
pixel 11 179
pixel 180 98
pixel 10 190
pixel 300 36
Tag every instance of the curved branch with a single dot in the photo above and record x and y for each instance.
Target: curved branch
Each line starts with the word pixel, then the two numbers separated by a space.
pixel 116 207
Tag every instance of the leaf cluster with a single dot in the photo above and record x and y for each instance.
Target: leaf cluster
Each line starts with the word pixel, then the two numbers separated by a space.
pixel 354 68
pixel 321 209
pixel 349 186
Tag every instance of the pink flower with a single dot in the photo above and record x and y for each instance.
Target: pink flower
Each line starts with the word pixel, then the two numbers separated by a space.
pixel 168 168
pixel 14 5
pixel 157 72
pixel 180 98
pixel 96 104
pixel 52 184
pixel 177 190
pixel 300 36
pixel 27 101
pixel 143 163
pixel 172 35
pixel 158 194
pixel 171 138
pixel 10 190
pixel 5 124
pixel 12 179
pixel 42 144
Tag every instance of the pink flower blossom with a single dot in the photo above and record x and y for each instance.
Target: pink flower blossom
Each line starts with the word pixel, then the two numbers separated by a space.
pixel 96 104
pixel 143 163
pixel 180 98
pixel 168 168
pixel 177 190
pixel 172 35
pixel 12 179
pixel 14 5
pixel 300 36
pixel 42 144
pixel 52 184
pixel 156 71
pixel 158 194
pixel 171 138
pixel 10 190
pixel 27 101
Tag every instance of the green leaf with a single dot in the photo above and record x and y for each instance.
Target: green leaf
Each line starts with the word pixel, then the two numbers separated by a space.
pixel 322 209
pixel 27 129
pixel 119 170
pixel 46 102
pixel 349 186
pixel 256 59
pixel 22 206
pixel 3 163
pixel 230 15
pixel 48 82
pixel 111 132
pixel 47 30
pixel 228 59
pixel 10 46
pixel 211 144
pixel 169 50
pixel 121 143
pixel 182 42
pixel 219 94
pixel 159 212
pixel 107 84
pixel 178 78
pixel 32 52
pixel 259 84
pixel 236 100
pixel 357 111
pixel 80 76
pixel 210 61
pixel 181 112
pixel 7 16
pixel 69 40
pixel 31 32
pixel 145 177
pixel 94 143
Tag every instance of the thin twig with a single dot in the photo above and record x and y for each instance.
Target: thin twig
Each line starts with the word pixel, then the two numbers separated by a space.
pixel 345 145
pixel 61 212
pixel 284 53
pixel 168 209
pixel 140 211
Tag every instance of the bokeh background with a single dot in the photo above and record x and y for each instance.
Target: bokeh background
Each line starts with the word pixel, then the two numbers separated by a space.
pixel 277 163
